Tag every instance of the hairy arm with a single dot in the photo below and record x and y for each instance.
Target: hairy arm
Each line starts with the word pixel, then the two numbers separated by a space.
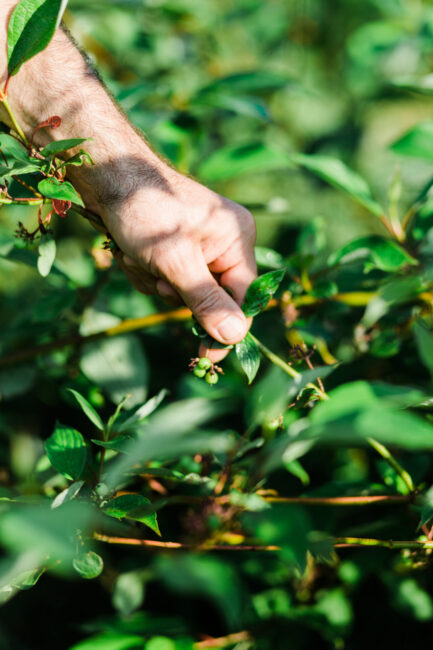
pixel 179 239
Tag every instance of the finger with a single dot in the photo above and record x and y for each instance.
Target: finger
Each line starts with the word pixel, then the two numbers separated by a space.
pixel 213 355
pixel 238 278
pixel 215 310
pixel 142 281
pixel 167 292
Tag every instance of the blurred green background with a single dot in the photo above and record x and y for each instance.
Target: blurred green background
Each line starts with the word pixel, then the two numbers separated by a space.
pixel 226 90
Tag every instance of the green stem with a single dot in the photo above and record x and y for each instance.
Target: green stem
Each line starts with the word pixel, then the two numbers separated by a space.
pixel 13 119
pixel 381 543
pixel 22 201
pixel 277 361
pixel 386 455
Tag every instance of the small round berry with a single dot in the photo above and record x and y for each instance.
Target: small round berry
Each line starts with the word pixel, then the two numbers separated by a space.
pixel 211 378
pixel 205 363
pixel 199 372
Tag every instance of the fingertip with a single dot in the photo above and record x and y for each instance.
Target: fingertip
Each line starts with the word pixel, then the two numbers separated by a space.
pixel 214 355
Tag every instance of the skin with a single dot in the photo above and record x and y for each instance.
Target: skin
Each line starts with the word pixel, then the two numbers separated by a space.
pixel 178 238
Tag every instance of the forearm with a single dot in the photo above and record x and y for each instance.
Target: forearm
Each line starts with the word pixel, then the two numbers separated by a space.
pixel 58 81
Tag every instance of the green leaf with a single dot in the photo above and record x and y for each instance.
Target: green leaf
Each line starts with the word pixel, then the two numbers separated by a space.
pixel 66 450
pixel 424 341
pixel 336 173
pixel 172 432
pixel 47 254
pixel 232 161
pixel 89 565
pixel 128 593
pixel 119 443
pixel 16 158
pixel 88 409
pixel 67 495
pixel 132 506
pixel 261 291
pixel 141 414
pixel 427 508
pixel 43 531
pixel 266 257
pixel 31 26
pixel 118 366
pixel 249 356
pixel 383 254
pixel 110 641
pixel 60 190
pixel 57 146
pixel 418 142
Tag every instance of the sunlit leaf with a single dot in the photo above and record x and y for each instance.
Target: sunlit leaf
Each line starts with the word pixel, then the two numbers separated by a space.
pixel 248 355
pixel 133 506
pixel 60 190
pixel 30 29
pixel 66 450
pixel 261 291
pixel 340 176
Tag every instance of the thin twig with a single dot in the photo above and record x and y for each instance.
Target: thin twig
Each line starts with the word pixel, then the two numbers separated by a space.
pixel 223 641
pixel 389 458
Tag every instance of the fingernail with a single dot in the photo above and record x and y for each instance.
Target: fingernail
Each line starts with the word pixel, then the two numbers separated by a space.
pixel 231 328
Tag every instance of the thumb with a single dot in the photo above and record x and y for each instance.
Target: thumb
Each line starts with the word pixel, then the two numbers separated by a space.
pixel 214 309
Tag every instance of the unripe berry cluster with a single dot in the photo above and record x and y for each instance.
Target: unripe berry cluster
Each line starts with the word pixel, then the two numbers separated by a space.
pixel 204 368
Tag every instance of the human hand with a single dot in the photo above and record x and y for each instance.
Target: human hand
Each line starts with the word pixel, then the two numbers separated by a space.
pixel 186 243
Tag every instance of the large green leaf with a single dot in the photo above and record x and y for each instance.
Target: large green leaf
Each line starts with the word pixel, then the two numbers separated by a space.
pixel 418 142
pixel 232 161
pixel 383 254
pixel 60 190
pixel 31 27
pixel 133 506
pixel 118 366
pixel 44 531
pixel 261 291
pixel 340 176
pixel 66 450
pixel 248 354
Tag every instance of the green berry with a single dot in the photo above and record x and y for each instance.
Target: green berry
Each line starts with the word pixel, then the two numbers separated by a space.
pixel 205 363
pixel 211 378
pixel 199 372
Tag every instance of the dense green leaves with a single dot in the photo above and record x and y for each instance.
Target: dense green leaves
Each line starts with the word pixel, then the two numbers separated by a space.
pixel 66 450
pixel 248 354
pixel 30 29
pixel 261 291
pixel 60 190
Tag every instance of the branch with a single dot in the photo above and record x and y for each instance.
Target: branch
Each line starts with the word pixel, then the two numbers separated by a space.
pixel 151 543
pixel 337 542
pixel 382 499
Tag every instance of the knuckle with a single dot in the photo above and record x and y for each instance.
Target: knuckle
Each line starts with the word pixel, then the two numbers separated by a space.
pixel 206 302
